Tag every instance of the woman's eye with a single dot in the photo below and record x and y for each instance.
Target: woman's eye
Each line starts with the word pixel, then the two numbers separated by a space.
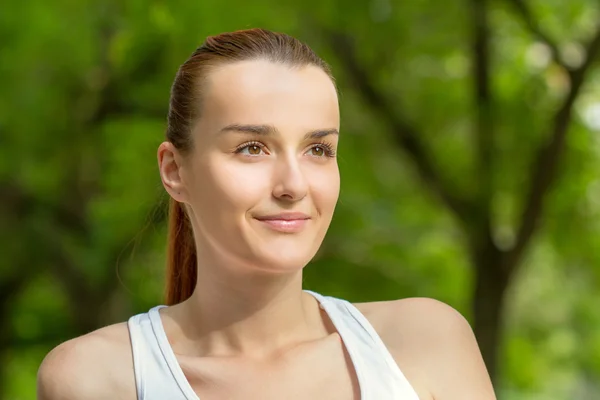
pixel 322 150
pixel 318 151
pixel 256 149
pixel 251 149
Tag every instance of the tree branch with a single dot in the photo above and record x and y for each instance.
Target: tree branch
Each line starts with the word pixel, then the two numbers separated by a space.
pixel 405 134
pixel 530 22
pixel 544 169
pixel 482 95
pixel 16 201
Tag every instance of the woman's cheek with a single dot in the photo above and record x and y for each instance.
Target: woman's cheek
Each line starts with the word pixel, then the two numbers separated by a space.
pixel 326 186
pixel 244 185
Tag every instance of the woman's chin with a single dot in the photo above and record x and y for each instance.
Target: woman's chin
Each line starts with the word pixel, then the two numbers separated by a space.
pixel 284 262
pixel 283 253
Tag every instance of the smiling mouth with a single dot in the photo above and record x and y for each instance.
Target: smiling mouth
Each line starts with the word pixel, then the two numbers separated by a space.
pixel 285 223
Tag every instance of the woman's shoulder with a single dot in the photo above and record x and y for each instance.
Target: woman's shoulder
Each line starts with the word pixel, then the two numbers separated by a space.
pixel 433 344
pixel 97 365
pixel 412 314
pixel 416 323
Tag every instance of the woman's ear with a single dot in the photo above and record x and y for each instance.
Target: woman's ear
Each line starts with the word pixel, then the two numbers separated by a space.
pixel 169 165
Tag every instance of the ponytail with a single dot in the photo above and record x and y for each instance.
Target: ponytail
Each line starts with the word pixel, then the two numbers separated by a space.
pixel 181 256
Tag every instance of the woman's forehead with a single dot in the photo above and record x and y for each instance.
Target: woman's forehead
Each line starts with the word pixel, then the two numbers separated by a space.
pixel 263 92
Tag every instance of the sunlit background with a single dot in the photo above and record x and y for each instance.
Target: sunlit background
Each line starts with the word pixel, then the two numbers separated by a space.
pixel 469 154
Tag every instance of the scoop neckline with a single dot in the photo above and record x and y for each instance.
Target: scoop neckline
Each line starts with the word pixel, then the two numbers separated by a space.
pixel 186 387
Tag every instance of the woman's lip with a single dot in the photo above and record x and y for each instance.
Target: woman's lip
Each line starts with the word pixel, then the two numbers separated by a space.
pixel 285 225
pixel 284 217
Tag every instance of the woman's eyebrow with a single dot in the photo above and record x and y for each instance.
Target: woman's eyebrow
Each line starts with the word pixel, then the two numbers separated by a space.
pixel 251 129
pixel 269 130
pixel 319 133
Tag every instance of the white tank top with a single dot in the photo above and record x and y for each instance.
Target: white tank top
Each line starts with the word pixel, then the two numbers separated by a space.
pixel 158 375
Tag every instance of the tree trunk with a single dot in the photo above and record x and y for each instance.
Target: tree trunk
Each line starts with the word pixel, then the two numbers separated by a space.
pixel 488 305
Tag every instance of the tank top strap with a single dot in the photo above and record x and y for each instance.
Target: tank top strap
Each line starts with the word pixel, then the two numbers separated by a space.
pixel 137 342
pixel 157 373
pixel 378 373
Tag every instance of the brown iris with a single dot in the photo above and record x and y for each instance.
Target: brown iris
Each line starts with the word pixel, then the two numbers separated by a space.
pixel 254 150
pixel 318 151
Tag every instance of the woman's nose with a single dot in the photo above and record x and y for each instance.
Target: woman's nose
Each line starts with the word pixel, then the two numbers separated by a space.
pixel 290 183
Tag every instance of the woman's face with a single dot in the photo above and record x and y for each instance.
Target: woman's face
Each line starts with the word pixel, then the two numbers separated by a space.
pixel 262 180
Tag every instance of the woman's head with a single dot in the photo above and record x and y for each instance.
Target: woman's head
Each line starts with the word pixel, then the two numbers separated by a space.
pixel 250 152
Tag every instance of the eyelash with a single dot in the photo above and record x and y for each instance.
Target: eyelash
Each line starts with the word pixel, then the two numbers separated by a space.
pixel 329 150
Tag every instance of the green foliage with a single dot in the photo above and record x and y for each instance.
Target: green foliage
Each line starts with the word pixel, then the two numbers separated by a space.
pixel 84 88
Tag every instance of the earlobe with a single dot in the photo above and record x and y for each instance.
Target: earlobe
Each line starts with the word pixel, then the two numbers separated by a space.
pixel 170 170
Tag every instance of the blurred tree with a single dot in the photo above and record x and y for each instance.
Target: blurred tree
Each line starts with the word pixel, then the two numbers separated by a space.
pixel 477 95
pixel 494 264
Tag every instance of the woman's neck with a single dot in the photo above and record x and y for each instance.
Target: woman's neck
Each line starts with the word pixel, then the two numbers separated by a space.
pixel 253 314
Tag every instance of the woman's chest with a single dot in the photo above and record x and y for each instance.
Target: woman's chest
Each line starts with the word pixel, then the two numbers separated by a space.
pixel 324 372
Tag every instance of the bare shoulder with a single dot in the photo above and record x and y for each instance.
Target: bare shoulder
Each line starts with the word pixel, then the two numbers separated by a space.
pixel 98 365
pixel 412 315
pixel 434 346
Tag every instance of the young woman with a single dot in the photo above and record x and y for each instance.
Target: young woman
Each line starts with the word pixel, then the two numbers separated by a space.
pixel 250 165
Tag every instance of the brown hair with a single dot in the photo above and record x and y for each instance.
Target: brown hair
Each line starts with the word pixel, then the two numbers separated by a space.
pixel 184 107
